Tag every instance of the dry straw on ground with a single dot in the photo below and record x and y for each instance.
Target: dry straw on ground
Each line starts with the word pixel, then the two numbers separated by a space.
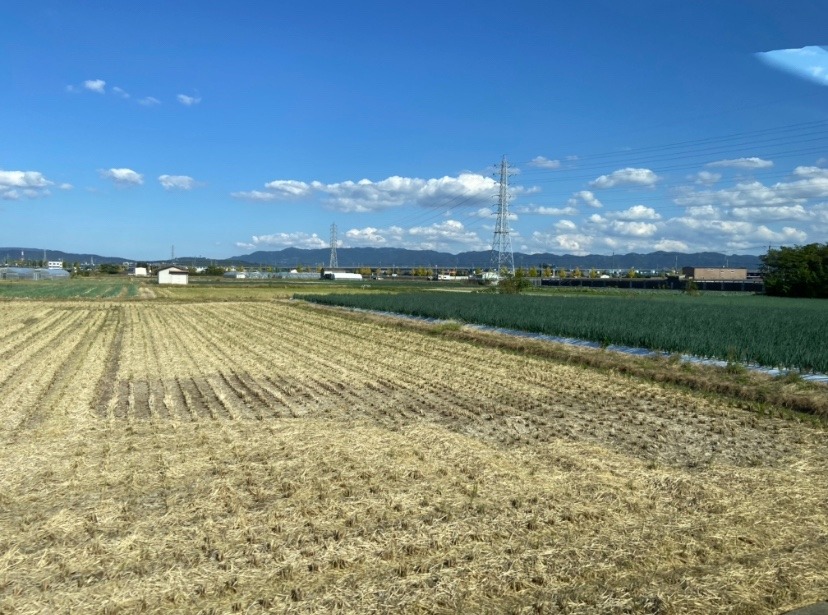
pixel 257 457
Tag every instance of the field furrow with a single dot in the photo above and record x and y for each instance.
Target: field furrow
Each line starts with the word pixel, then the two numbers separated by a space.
pixel 266 457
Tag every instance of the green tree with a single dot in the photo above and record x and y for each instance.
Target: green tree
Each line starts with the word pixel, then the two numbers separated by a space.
pixel 514 284
pixel 110 268
pixel 801 271
pixel 213 270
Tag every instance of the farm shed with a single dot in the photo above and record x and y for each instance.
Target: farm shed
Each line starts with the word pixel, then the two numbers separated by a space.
pixel 714 273
pixel 173 275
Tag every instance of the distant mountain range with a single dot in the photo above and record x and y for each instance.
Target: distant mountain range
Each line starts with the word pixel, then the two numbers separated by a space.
pixel 388 257
pixel 399 257
pixel 8 255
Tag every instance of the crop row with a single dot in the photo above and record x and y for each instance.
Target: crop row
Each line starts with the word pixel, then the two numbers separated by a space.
pixel 67 289
pixel 137 362
pixel 761 330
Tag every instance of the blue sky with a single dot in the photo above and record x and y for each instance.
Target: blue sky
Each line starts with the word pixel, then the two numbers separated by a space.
pixel 223 128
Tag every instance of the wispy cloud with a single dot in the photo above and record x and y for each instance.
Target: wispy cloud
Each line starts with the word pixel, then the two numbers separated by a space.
pixel 809 62
pixel 149 101
pixel 742 163
pixel 177 182
pixel 542 210
pixel 188 101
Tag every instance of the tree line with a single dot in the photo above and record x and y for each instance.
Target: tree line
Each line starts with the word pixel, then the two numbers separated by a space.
pixel 800 271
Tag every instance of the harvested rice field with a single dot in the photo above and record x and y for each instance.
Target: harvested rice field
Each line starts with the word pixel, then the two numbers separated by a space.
pixel 267 456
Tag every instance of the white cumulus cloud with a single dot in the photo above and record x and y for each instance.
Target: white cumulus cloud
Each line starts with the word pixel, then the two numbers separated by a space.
pixel 707 178
pixel 628 176
pixel 636 212
pixel 584 196
pixel 16 185
pixel 23 179
pixel 635 229
pixel 448 236
pixel 284 240
pixel 671 245
pixel 126 177
pixel 809 172
pixel 543 162
pixel 366 195
pixel 289 188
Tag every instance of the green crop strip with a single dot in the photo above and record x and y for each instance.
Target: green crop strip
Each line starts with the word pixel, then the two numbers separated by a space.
pixel 765 330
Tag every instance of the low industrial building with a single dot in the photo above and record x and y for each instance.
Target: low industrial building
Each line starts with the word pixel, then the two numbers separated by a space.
pixel 714 273
pixel 173 275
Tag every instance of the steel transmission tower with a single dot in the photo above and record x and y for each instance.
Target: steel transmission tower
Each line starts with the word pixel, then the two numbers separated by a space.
pixel 334 263
pixel 502 257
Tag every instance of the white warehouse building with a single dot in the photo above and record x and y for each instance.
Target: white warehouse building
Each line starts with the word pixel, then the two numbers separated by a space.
pixel 341 275
pixel 173 275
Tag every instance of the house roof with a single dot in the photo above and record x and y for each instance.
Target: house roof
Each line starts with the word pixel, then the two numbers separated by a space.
pixel 173 270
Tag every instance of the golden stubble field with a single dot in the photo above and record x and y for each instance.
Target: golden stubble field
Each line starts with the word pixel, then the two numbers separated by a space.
pixel 267 456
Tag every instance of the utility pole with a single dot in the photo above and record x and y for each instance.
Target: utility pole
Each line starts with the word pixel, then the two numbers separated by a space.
pixel 502 256
pixel 333 263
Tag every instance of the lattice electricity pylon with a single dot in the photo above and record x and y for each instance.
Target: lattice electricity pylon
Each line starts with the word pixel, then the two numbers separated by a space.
pixel 333 263
pixel 503 259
